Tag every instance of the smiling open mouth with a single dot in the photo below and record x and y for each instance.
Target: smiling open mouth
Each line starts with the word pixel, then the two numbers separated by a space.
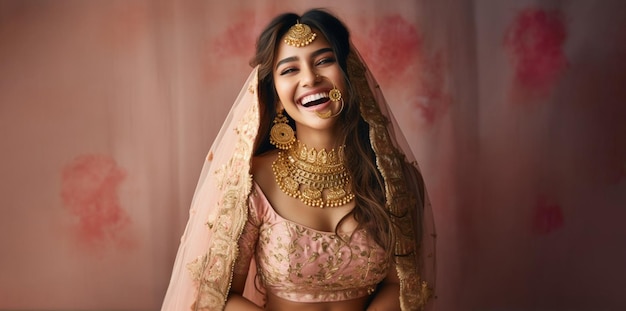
pixel 315 99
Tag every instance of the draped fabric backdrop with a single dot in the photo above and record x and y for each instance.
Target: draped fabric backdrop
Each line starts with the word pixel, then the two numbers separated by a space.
pixel 514 108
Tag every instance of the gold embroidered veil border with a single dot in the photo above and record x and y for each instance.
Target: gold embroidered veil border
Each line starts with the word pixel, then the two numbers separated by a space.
pixel 407 198
pixel 208 248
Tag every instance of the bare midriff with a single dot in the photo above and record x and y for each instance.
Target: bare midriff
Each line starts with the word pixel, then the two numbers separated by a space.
pixel 275 303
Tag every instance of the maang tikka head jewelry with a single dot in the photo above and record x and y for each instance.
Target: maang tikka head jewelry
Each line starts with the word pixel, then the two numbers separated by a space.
pixel 300 35
pixel 281 134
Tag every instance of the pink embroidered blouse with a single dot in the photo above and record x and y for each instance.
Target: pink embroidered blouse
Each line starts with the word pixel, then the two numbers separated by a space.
pixel 301 264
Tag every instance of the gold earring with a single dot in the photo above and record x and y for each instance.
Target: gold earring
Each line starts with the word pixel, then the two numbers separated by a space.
pixel 281 134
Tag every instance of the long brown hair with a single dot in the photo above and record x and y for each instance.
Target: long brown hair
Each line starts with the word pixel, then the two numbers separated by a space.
pixel 369 211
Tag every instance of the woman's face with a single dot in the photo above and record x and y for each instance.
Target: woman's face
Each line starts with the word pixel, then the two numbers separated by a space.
pixel 303 76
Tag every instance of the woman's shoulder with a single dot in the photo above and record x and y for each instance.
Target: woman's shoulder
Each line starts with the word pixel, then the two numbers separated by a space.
pixel 263 176
pixel 262 168
pixel 265 156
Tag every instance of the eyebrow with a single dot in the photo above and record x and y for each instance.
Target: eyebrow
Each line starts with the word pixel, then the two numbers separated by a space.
pixel 293 58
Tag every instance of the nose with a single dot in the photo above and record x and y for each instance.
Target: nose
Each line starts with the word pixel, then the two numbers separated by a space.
pixel 310 77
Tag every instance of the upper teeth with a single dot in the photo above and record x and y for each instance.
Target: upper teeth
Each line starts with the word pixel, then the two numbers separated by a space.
pixel 309 98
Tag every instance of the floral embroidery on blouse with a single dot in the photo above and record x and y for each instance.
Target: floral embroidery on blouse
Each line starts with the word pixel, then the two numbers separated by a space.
pixel 298 263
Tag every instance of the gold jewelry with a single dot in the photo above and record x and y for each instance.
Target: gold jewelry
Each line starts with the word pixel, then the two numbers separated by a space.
pixel 281 134
pixel 329 114
pixel 317 178
pixel 335 95
pixel 300 35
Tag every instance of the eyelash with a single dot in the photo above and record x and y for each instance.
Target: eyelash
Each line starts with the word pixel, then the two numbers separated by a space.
pixel 326 60
pixel 323 61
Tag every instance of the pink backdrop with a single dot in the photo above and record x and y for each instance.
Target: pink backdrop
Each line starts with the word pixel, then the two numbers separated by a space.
pixel 515 110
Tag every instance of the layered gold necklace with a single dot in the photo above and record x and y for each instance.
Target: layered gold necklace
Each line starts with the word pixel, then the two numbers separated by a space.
pixel 317 178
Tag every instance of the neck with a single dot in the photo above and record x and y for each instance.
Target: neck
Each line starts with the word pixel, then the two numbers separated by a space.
pixel 319 139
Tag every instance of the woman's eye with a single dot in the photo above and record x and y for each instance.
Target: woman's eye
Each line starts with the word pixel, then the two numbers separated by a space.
pixel 287 71
pixel 326 60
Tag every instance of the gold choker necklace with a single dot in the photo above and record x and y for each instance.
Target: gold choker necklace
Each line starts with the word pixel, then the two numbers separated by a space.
pixel 317 178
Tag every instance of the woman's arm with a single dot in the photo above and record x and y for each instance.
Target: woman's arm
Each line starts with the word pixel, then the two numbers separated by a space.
pixel 388 295
pixel 247 247
pixel 236 301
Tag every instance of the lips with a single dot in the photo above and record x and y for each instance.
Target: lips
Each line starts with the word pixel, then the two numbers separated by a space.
pixel 314 99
